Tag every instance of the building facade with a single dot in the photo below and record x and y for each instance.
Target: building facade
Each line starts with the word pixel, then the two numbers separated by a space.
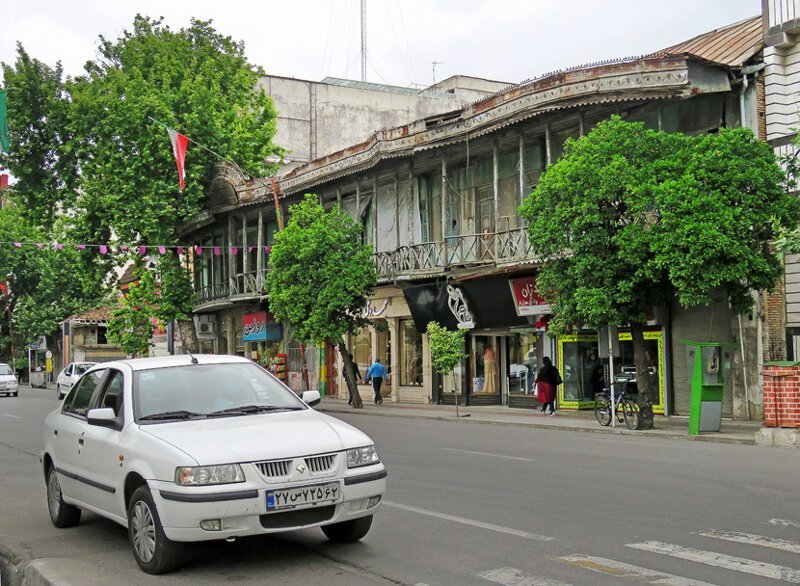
pixel 437 198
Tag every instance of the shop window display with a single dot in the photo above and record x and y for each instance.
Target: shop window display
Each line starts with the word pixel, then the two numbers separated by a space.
pixel 410 354
pixel 523 363
pixel 485 359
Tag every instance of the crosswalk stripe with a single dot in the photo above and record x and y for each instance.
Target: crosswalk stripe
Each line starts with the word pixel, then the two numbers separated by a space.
pixel 750 539
pixel 784 523
pixel 719 560
pixel 623 570
pixel 515 577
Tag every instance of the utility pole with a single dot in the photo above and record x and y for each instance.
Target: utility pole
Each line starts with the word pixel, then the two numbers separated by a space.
pixel 435 63
pixel 363 40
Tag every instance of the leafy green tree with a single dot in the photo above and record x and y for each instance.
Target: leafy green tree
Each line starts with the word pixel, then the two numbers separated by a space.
pixel 629 218
pixel 45 285
pixel 447 350
pixel 321 278
pixel 131 324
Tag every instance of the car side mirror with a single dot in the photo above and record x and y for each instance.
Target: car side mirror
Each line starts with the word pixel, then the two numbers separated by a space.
pixel 311 398
pixel 104 417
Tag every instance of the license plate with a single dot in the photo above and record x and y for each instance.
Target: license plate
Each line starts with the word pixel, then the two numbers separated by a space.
pixel 290 498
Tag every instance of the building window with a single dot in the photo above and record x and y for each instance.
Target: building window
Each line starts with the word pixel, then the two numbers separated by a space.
pixel 410 354
pixel 362 351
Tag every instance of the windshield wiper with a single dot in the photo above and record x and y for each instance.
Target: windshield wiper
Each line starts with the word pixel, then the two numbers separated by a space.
pixel 250 409
pixel 182 414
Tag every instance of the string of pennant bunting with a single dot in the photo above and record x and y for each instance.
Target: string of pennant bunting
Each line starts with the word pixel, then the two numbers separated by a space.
pixel 198 250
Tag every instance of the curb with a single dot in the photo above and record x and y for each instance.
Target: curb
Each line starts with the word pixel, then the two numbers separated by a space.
pixel 535 425
pixel 12 567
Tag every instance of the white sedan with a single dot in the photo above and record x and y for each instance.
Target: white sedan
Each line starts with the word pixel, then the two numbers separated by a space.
pixel 184 448
pixel 70 375
pixel 8 381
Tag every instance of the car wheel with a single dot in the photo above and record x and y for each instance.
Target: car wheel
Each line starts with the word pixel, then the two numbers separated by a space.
pixel 348 531
pixel 61 514
pixel 153 551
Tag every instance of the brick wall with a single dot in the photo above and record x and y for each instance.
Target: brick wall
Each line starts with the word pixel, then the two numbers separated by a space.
pixel 781 395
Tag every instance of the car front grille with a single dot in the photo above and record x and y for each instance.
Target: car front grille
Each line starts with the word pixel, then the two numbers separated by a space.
pixel 301 518
pixel 280 469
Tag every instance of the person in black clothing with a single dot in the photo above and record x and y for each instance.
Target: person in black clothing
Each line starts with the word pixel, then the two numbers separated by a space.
pixel 547 379
pixel 356 374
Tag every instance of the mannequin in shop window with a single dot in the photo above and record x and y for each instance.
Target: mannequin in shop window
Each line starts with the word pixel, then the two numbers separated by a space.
pixel 490 370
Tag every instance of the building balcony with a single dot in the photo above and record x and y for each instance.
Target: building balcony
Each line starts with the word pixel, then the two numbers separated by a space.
pixel 782 25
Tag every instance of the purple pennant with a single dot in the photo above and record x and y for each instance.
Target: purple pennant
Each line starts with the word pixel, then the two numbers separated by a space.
pixel 103 249
pixel 216 251
pixel 250 248
pixel 234 250
pixel 198 250
pixel 59 246
pixel 123 248
pixel 180 250
pixel 18 244
pixel 39 245
pixel 162 250
pixel 81 247
pixel 142 250
pixel 267 249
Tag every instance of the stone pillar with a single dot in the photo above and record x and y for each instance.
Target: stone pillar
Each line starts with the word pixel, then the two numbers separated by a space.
pixel 394 344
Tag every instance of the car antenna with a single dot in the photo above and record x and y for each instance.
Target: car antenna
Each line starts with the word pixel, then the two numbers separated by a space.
pixel 194 358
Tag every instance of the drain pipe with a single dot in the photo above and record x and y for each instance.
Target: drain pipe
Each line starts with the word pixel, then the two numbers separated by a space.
pixel 749 70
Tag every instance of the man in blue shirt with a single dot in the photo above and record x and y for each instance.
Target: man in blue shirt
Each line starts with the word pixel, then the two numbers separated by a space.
pixel 376 374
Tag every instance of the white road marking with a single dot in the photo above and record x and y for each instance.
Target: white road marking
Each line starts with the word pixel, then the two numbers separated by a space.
pixel 490 454
pixel 750 539
pixel 623 570
pixel 719 560
pixel 9 415
pixel 784 523
pixel 471 522
pixel 515 577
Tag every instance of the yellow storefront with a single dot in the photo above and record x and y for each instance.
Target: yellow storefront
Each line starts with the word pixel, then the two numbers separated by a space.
pixel 582 369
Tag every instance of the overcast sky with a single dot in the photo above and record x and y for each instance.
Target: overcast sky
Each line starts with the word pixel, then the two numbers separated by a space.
pixel 505 40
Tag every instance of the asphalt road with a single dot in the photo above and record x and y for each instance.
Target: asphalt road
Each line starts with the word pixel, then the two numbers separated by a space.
pixel 474 504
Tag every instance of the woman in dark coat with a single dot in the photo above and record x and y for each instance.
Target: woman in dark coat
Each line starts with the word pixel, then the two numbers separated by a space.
pixel 547 379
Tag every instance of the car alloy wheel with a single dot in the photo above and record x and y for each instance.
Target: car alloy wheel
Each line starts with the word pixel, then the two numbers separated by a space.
pixel 53 495
pixel 143 531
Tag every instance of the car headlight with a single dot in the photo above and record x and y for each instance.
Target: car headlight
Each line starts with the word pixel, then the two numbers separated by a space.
pixel 206 475
pixel 362 457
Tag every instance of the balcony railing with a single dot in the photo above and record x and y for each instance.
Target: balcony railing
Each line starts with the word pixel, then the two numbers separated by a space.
pixel 428 257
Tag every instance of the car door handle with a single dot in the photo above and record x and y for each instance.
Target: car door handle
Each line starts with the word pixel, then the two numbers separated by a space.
pixel 80 442
pixel 55 432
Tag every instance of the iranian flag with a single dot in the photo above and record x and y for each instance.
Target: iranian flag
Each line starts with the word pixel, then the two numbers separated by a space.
pixel 179 145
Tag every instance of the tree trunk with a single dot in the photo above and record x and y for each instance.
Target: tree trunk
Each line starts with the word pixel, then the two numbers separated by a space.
pixel 304 367
pixel 644 381
pixel 189 336
pixel 349 376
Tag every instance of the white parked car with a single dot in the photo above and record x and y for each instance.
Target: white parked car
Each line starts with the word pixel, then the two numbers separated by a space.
pixel 8 381
pixel 184 448
pixel 70 375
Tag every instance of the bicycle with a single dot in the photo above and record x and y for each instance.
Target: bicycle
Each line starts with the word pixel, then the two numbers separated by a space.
pixel 603 408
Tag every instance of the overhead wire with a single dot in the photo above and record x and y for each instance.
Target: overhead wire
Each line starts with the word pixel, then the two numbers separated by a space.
pixel 408 46
pixel 397 42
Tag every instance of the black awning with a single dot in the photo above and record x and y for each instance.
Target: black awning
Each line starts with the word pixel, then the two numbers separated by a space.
pixel 489 299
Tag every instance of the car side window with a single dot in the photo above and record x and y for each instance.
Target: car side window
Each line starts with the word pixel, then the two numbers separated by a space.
pixel 81 396
pixel 111 396
pixel 69 370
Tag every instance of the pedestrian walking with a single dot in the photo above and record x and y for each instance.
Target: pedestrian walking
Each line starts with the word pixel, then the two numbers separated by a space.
pixel 547 380
pixel 376 374
pixel 357 375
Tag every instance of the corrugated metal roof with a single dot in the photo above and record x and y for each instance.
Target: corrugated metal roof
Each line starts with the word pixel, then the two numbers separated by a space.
pixel 732 45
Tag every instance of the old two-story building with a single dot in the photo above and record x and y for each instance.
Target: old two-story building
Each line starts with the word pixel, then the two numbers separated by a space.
pixel 232 236
pixel 437 198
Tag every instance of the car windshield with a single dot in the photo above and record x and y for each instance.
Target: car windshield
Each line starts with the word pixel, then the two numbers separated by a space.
pixel 5 369
pixel 81 368
pixel 200 391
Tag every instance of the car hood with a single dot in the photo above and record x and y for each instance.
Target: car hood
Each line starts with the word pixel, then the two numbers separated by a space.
pixel 252 438
pixel 7 378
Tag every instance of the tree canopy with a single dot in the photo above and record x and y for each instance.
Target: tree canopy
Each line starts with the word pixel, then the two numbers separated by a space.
pixel 321 276
pixel 447 348
pixel 630 217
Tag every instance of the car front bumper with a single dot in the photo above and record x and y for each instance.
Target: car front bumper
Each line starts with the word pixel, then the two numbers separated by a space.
pixel 242 508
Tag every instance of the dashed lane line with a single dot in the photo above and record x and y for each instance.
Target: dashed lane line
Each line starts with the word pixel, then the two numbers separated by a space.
pixel 750 539
pixel 518 458
pixel 515 577
pixel 623 570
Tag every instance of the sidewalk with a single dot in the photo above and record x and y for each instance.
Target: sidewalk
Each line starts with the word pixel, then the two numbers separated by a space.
pixel 733 432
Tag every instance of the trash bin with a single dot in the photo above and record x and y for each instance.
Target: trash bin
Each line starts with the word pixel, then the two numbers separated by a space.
pixel 707 364
pixel 38 379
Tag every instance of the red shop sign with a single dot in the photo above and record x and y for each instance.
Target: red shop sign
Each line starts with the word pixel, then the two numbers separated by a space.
pixel 526 299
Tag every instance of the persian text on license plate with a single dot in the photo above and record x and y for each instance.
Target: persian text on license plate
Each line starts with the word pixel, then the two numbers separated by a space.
pixel 303 495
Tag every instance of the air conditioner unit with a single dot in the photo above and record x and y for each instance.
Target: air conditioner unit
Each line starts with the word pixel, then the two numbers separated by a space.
pixel 206 328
